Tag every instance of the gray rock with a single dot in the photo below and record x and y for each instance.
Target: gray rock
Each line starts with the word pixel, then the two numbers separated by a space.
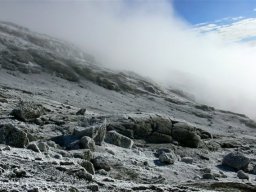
pixel 83 174
pixel 208 176
pixel 188 160
pixel 236 160
pixel 97 132
pixel 27 111
pixel 43 146
pixel 33 147
pixel 159 138
pixel 81 111
pixel 93 187
pixel 242 175
pixel 186 135
pixel 12 136
pixel 88 166
pixel 87 143
pixel 166 158
pixel 115 138
pixel 101 163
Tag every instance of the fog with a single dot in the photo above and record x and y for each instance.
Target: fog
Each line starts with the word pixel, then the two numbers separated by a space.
pixel 147 37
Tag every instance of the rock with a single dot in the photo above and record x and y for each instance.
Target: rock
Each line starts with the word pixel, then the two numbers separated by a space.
pixel 7 148
pixel 208 176
pixel 206 170
pixel 74 145
pixel 43 146
pixel 27 111
pixel 166 158
pixel 35 189
pixel 33 147
pixel 87 143
pixel 236 160
pixel 19 172
pixel 93 187
pixel 186 135
pixel 115 138
pixel 162 150
pixel 57 156
pixel 12 136
pixel 188 160
pixel 102 172
pixel 159 138
pixel 81 111
pixel 242 175
pixel 83 174
pixel 97 132
pixel 88 167
pixel 161 125
pixel 254 170
pixel 100 163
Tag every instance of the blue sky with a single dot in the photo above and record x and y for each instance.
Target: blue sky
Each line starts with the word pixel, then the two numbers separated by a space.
pixel 201 11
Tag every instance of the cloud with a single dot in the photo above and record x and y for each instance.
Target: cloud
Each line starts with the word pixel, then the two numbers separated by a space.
pixel 146 37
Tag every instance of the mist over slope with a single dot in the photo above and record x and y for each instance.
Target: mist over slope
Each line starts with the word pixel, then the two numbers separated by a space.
pixel 148 38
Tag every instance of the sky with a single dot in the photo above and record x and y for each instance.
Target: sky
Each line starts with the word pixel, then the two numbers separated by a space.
pixel 202 11
pixel 206 48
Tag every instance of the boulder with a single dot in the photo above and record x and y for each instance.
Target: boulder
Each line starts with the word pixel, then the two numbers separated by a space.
pixel 33 147
pixel 101 163
pixel 159 138
pixel 162 125
pixel 87 143
pixel 81 111
pixel 186 135
pixel 242 175
pixel 115 138
pixel 12 136
pixel 166 158
pixel 43 146
pixel 27 111
pixel 236 160
pixel 88 167
pixel 96 132
pixel 188 160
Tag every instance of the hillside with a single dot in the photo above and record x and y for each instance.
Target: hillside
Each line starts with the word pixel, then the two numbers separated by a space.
pixel 68 124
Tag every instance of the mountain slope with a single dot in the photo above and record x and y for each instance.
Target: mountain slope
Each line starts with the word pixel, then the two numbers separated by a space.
pixel 62 79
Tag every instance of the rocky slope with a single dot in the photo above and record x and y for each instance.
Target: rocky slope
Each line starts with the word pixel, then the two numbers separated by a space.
pixel 67 124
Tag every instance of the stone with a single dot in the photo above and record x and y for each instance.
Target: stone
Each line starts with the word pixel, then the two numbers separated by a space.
pixel 43 146
pixel 88 166
pixel 93 187
pixel 83 174
pixel 19 172
pixel 208 176
pixel 27 111
pixel 96 132
pixel 236 160
pixel 87 143
pixel 33 147
pixel 117 139
pixel 186 135
pixel 159 138
pixel 242 175
pixel 81 111
pixel 166 158
pixel 13 136
pixel 188 160
pixel 100 163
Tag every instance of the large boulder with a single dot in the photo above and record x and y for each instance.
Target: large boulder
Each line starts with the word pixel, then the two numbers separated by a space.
pixel 27 111
pixel 167 158
pixel 87 143
pixel 186 135
pixel 236 160
pixel 115 138
pixel 12 136
pixel 101 163
pixel 88 166
pixel 96 132
pixel 159 138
